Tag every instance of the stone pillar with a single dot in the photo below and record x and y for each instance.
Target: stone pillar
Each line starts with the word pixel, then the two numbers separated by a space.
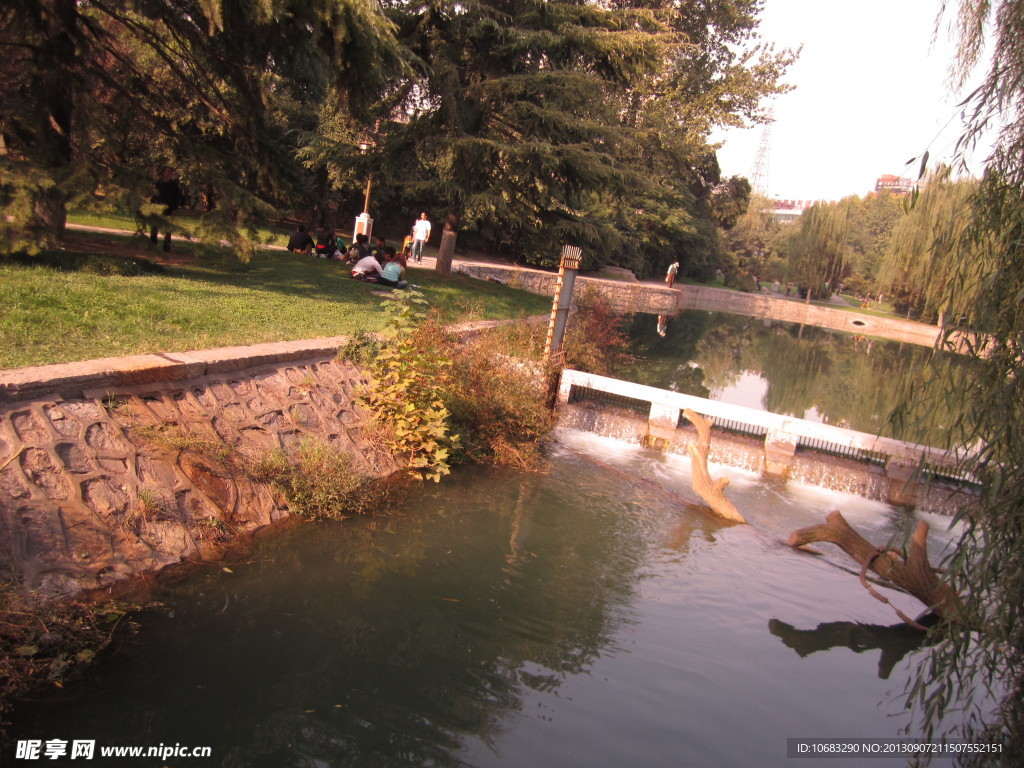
pixel 904 482
pixel 779 450
pixel 364 226
pixel 445 252
pixel 662 422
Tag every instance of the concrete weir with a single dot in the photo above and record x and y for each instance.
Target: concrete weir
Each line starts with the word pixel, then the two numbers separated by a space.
pixel 881 468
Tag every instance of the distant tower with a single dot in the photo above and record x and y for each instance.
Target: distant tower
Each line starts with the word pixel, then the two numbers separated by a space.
pixel 759 176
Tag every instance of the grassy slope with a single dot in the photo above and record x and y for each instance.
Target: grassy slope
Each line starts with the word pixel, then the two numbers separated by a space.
pixel 50 314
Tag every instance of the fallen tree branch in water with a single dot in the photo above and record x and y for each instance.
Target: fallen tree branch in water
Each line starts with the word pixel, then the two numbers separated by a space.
pixel 912 574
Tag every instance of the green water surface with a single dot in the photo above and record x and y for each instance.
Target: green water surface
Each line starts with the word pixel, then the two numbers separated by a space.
pixel 586 615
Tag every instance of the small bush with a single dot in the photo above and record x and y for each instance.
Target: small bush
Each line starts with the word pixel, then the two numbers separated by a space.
pixel 595 339
pixel 408 375
pixel 323 483
pixel 497 403
pixel 361 349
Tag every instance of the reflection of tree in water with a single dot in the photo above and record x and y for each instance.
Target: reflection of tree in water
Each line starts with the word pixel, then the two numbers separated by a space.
pixel 848 380
pixel 722 350
pixel 663 362
pixel 894 641
pixel 384 641
pixel 853 382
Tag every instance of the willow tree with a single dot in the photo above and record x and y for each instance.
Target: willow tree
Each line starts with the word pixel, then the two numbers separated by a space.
pixel 978 668
pixel 819 251
pixel 95 93
pixel 920 261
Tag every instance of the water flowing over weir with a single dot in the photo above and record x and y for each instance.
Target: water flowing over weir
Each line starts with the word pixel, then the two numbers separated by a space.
pixel 793 449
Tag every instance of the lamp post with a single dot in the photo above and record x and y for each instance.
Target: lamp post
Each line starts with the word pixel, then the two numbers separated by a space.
pixel 364 224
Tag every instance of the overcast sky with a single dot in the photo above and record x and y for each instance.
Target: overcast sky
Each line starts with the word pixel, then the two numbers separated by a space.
pixel 871 92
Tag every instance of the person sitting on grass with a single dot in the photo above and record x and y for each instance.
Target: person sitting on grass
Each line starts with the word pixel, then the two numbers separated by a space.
pixel 393 273
pixel 368 269
pixel 300 241
pixel 326 244
pixel 380 249
pixel 359 249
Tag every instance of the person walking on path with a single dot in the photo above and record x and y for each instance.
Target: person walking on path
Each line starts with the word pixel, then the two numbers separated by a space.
pixel 420 235
pixel 673 270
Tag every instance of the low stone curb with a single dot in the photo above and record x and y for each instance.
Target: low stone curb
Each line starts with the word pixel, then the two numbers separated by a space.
pixel 72 379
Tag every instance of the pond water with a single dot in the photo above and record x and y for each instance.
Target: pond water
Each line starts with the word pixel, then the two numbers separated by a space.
pixel 803 371
pixel 590 614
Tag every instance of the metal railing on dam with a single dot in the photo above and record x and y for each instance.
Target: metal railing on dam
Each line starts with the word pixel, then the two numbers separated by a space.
pixel 781 440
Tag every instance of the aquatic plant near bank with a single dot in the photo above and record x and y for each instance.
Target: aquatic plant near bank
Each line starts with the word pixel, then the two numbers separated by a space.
pixel 321 482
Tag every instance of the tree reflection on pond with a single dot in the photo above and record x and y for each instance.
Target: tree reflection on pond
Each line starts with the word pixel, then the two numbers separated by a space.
pixel 849 381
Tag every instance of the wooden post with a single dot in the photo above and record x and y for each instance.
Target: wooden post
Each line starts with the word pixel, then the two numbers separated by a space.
pixel 571 256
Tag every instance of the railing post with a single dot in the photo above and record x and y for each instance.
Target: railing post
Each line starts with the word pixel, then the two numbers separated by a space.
pixel 903 483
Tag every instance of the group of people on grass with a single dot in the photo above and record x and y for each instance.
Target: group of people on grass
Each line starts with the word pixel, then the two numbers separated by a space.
pixel 379 264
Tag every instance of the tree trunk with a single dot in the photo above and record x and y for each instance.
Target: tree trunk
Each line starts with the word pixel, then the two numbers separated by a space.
pixel 445 252
pixel 55 61
pixel 51 214
pixel 913 575
pixel 712 491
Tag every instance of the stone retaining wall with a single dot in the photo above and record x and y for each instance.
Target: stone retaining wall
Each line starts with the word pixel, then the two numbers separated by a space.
pixel 621 296
pixel 112 469
pixel 762 305
pixel 660 300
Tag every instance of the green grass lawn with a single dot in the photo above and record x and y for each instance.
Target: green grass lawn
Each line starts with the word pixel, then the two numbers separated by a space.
pixel 66 310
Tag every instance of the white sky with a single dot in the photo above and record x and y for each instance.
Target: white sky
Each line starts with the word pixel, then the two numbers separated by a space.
pixel 871 92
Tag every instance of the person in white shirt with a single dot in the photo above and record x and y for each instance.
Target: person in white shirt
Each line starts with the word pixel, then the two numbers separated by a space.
pixel 365 267
pixel 673 270
pixel 420 235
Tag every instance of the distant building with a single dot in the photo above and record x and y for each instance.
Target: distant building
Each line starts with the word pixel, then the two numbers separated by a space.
pixel 788 211
pixel 897 185
pixel 787 214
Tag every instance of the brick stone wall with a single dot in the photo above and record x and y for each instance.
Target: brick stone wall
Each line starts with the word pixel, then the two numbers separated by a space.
pixel 113 482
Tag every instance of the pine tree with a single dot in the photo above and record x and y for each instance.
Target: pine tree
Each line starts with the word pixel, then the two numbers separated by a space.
pixel 542 123
pixel 102 93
